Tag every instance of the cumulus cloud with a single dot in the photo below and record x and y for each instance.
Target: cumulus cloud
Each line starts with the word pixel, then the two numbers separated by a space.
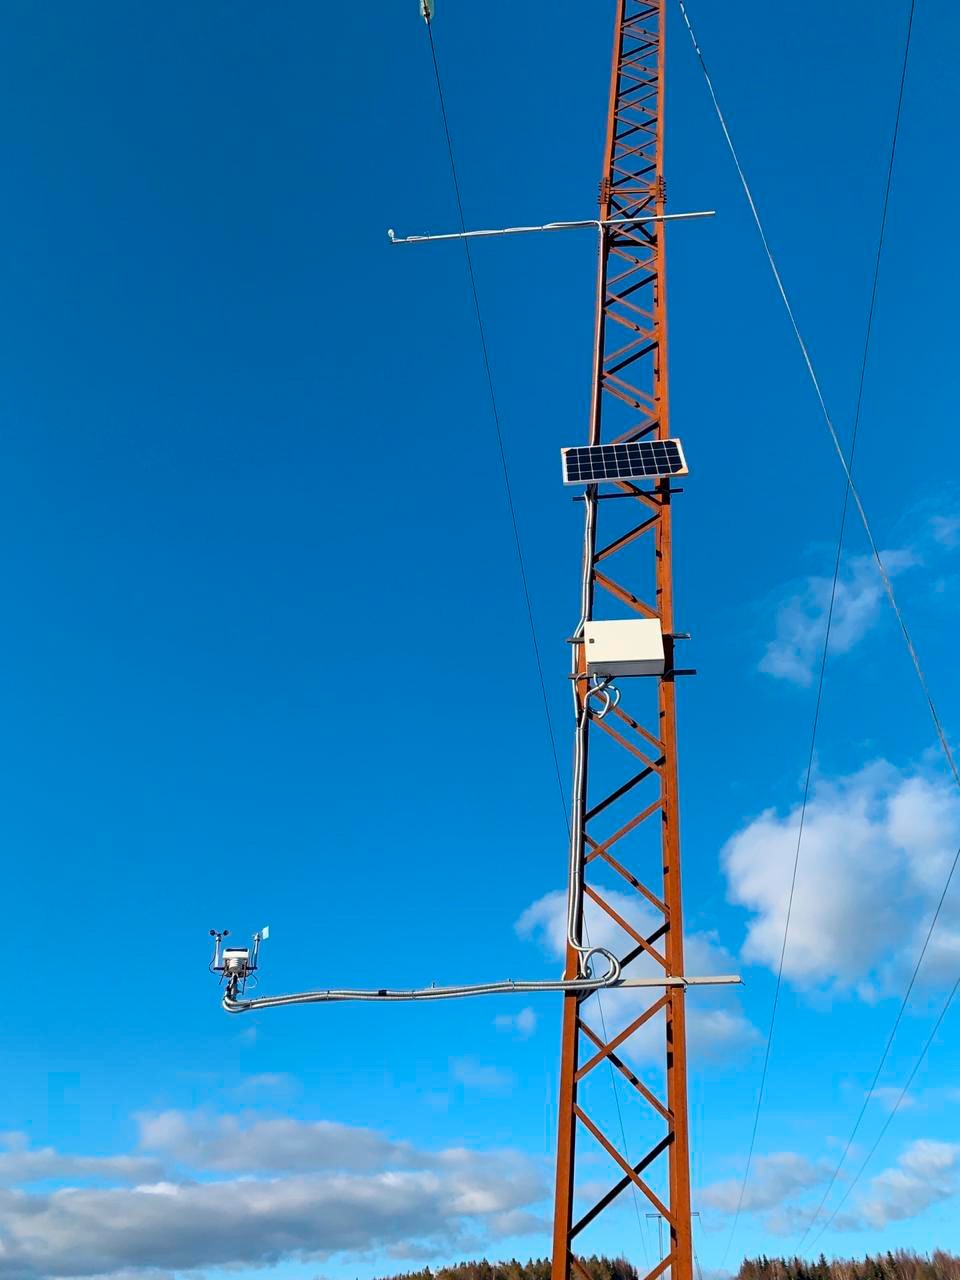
pixel 244 1222
pixel 925 1174
pixel 716 1025
pixel 480 1076
pixel 21 1164
pixel 773 1179
pixel 801 617
pixel 522 1024
pixel 256 1144
pixel 413 1200
pixel 877 846
pixel 274 1084
pixel 888 1097
pixel 946 530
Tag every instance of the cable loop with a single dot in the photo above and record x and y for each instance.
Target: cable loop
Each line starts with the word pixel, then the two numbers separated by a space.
pixel 608 693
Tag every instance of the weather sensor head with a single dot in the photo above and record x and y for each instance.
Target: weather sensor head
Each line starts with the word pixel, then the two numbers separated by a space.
pixel 236 964
pixel 236 960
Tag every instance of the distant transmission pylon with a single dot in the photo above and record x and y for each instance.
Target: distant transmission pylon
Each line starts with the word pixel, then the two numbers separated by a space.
pixel 632 565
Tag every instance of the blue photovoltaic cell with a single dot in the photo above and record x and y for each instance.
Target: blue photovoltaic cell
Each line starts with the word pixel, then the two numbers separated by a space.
pixel 651 459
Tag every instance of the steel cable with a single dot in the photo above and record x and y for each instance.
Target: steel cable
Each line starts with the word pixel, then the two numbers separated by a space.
pixel 575 890
pixel 849 488
pixel 893 1111
pixel 838 448
pixel 936 915
pixel 481 330
pixel 585 983
pixel 575 887
pixel 883 1058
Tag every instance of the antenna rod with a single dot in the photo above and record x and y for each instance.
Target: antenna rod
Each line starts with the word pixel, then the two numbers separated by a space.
pixel 601 223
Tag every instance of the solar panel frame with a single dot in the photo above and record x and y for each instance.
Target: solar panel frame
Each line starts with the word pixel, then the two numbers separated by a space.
pixel 629 460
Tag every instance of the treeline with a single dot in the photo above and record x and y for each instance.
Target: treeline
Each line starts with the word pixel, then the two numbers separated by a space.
pixel 536 1269
pixel 902 1264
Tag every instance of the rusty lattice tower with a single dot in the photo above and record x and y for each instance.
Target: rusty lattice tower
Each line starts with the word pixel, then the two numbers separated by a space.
pixel 625 808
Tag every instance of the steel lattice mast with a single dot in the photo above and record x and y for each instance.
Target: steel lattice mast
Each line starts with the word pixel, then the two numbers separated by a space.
pixel 633 813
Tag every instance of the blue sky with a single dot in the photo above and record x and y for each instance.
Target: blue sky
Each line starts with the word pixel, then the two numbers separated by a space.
pixel 266 656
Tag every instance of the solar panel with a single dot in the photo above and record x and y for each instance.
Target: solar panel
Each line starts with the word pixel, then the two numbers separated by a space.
pixel 652 459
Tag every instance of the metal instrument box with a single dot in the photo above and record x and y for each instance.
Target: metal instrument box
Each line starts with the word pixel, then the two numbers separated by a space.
pixel 628 647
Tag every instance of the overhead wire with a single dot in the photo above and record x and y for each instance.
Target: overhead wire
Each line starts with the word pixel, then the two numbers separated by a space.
pixel 849 488
pixel 481 330
pixel 575 887
pixel 883 1058
pixel 893 1111
pixel 956 860
pixel 574 898
pixel 835 583
pixel 696 1258
pixel 828 421
pixel 586 982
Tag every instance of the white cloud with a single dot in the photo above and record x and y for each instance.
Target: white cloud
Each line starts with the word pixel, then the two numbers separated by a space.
pixel 180 1224
pixel 876 849
pixel 267 1083
pixel 523 1023
pixel 925 1174
pixel 22 1164
pixel 946 530
pixel 139 1273
pixel 772 1180
pixel 715 1022
pixel 795 650
pixel 888 1097
pixel 928 1158
pixel 480 1076
pixel 251 1144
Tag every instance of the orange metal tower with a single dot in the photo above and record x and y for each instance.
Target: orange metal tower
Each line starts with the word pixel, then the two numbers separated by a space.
pixel 627 819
